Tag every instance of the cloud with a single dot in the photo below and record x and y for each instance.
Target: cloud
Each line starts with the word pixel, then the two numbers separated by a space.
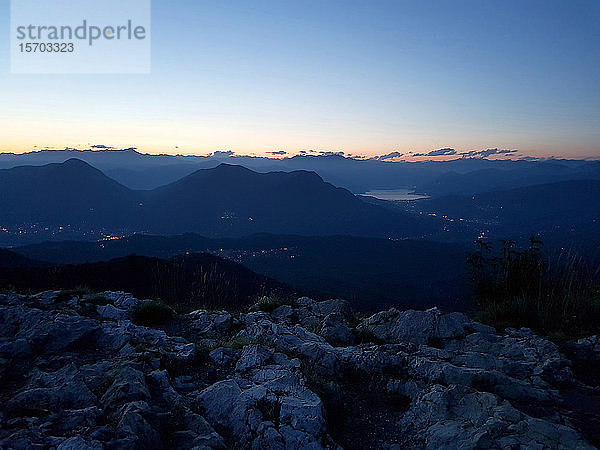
pixel 222 154
pixel 278 152
pixel 391 155
pixel 531 158
pixel 323 153
pixel 100 147
pixel 442 152
pixel 486 153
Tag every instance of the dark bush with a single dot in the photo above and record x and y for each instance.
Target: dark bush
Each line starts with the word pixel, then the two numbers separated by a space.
pixel 557 296
pixel 152 312
pixel 67 294
pixel 96 299
pixel 269 303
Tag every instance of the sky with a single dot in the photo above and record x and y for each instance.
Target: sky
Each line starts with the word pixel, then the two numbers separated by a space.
pixel 363 77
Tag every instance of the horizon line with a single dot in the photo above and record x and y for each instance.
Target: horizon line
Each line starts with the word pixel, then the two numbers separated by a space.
pixel 441 155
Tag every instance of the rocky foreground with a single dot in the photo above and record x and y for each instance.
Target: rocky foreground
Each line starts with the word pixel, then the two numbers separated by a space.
pixel 77 373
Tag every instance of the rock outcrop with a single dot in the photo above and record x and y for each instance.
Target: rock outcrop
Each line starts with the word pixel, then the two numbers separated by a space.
pixel 78 373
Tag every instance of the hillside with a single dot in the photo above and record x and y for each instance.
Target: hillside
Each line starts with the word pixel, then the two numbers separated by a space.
pixel 372 273
pixel 10 259
pixel 198 279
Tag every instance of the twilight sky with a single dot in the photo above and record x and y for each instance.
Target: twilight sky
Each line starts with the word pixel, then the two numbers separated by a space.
pixel 364 77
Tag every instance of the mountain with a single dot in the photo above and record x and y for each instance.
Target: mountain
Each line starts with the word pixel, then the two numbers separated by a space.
pixel 233 200
pixel 39 202
pixel 566 212
pixel 103 159
pixel 128 166
pixel 494 179
pixel 464 175
pixel 59 194
pixel 565 201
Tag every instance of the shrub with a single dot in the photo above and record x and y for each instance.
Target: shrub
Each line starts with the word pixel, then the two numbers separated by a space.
pixel 557 297
pixel 271 302
pixel 96 299
pixel 366 336
pixel 236 343
pixel 323 387
pixel 67 294
pixel 356 319
pixel 152 312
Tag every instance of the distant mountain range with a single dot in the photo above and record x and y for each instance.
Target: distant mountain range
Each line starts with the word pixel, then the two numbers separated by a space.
pixel 521 175
pixel 223 201
pixel 291 226
pixel 73 200
pixel 543 205
pixel 462 176
pixel 563 214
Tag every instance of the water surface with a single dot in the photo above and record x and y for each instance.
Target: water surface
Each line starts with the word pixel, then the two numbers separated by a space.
pixel 395 194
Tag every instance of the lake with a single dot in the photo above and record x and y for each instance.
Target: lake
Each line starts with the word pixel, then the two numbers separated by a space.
pixel 395 194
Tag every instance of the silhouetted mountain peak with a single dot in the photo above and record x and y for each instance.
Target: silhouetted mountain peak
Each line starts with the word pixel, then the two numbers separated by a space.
pixel 234 169
pixel 74 164
pixel 229 169
pixel 232 173
pixel 75 171
pixel 71 169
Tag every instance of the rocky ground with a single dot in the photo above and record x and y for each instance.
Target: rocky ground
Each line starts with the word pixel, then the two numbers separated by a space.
pixel 77 373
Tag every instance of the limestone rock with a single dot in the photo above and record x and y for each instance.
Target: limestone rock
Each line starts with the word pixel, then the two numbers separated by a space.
pixel 418 327
pixel 293 378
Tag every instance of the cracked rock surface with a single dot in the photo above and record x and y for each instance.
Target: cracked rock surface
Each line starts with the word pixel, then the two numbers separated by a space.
pixel 80 374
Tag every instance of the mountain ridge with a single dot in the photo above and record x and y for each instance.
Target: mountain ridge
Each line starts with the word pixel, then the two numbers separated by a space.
pixel 226 200
pixel 144 171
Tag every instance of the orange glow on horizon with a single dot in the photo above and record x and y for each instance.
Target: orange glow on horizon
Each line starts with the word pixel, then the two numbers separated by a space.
pixel 356 153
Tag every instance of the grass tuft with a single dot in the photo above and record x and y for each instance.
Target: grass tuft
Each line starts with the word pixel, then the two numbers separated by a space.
pixel 269 303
